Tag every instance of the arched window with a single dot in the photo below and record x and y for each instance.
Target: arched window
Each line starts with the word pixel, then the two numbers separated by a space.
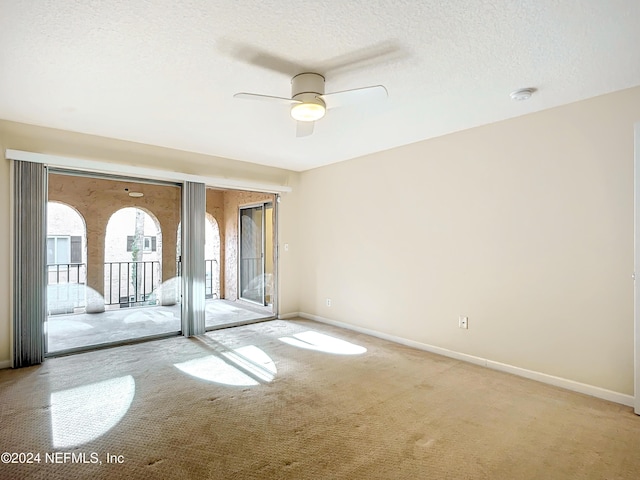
pixel 133 257
pixel 212 257
pixel 66 258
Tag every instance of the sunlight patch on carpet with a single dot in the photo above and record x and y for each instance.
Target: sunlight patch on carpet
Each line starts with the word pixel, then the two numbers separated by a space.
pixel 82 414
pixel 320 342
pixel 244 366
pixel 255 361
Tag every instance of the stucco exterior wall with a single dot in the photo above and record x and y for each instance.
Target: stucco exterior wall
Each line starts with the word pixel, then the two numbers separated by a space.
pixel 98 199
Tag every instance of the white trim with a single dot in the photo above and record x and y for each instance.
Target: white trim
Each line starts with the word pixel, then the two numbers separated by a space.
pixel 142 172
pixel 5 364
pixel 12 227
pixel 288 316
pixel 598 392
pixel 636 267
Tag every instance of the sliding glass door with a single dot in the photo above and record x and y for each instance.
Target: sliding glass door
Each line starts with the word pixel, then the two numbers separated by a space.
pixel 256 259
pixel 111 260
pixel 239 257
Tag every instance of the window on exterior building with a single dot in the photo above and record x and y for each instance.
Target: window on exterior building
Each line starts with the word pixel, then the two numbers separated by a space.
pixel 149 243
pixel 64 249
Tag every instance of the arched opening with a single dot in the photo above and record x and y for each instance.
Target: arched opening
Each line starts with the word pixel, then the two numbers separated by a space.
pixel 212 257
pixel 133 258
pixel 66 259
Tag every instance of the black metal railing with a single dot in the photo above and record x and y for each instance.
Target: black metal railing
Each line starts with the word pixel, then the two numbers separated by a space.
pixel 65 287
pixel 125 283
pixel 129 283
pixel 66 273
pixel 211 279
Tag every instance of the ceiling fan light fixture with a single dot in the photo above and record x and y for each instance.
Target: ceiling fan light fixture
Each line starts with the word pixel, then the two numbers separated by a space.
pixel 307 111
pixel 309 103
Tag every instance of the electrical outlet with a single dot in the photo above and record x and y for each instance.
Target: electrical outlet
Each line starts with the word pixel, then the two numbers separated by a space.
pixel 463 322
pixel 328 302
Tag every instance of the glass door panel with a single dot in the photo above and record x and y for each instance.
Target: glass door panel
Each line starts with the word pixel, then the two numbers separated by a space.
pixel 252 266
pixel 269 270
pixel 111 261
pixel 239 257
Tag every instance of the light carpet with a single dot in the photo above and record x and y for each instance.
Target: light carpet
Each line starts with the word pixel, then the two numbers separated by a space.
pixel 301 400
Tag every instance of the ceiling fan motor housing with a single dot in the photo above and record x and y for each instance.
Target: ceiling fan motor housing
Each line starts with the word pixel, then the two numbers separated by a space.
pixel 307 83
pixel 306 88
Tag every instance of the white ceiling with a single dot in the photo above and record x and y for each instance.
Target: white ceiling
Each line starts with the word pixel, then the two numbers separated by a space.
pixel 163 72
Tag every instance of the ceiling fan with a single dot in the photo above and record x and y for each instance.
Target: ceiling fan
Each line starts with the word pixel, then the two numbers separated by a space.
pixel 309 103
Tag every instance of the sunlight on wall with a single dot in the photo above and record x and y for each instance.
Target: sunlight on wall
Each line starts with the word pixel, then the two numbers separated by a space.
pixel 82 414
pixel 241 367
pixel 320 342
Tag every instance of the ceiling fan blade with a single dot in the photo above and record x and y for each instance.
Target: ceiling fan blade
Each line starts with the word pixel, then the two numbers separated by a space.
pixel 354 96
pixel 258 57
pixel 265 98
pixel 380 53
pixel 304 129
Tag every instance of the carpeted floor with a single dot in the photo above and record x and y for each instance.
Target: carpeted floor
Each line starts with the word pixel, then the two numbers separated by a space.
pixel 301 400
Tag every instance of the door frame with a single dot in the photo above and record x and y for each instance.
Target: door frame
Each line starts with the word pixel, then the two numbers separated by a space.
pixel 636 268
pixel 263 204
pixel 119 169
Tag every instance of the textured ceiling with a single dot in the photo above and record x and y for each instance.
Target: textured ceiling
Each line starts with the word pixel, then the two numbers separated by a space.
pixel 163 72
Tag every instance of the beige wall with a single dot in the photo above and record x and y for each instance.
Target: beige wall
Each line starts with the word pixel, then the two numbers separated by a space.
pixel 57 142
pixel 526 226
pixel 19 136
pixel 288 261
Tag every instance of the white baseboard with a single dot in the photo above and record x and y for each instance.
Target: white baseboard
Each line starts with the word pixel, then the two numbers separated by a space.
pixel 287 316
pixel 5 364
pixel 584 388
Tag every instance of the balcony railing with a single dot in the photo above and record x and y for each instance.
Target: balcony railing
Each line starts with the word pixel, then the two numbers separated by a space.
pixel 125 284
pixel 129 283
pixel 211 279
pixel 66 290
pixel 66 273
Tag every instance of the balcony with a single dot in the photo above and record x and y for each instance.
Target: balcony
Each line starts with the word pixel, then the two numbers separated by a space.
pixel 133 304
pixel 114 246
